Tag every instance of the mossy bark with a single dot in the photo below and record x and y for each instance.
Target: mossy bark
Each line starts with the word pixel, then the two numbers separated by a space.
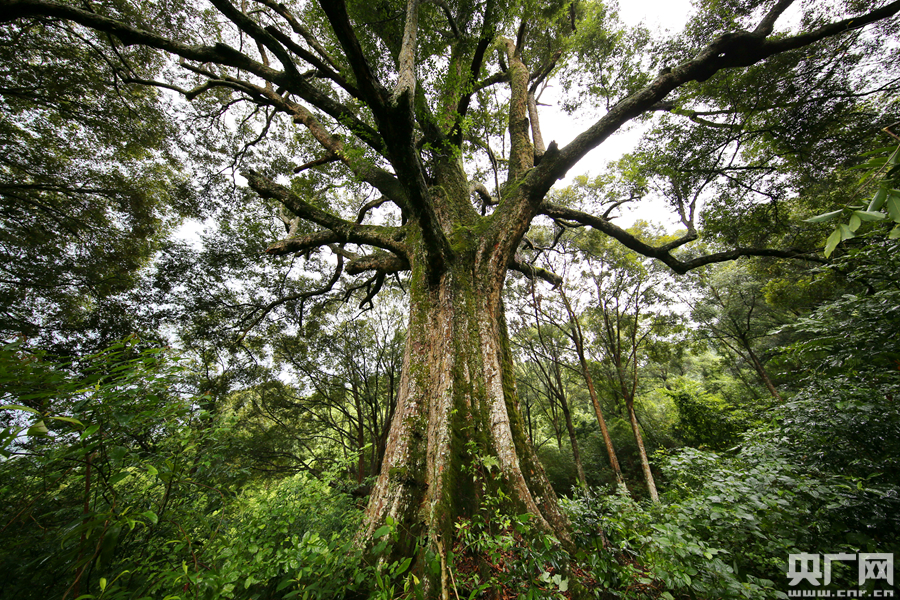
pixel 457 410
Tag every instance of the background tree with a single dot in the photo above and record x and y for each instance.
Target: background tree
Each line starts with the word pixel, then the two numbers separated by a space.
pixel 627 312
pixel 88 189
pixel 735 316
pixel 544 350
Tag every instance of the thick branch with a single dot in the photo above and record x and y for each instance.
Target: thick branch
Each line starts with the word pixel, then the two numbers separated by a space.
pixel 303 243
pixel 299 29
pixel 765 26
pixel 521 151
pixel 663 253
pixel 321 67
pixel 343 231
pixel 539 147
pixel 385 264
pixel 449 15
pixel 372 90
pixel 533 272
pixel 406 77
pixel 484 42
pixel 219 53
pixel 740 49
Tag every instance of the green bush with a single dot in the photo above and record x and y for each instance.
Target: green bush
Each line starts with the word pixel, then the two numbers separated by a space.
pixel 115 486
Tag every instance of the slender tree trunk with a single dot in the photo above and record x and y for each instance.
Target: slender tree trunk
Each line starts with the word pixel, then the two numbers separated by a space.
pixel 576 454
pixel 645 463
pixel 763 374
pixel 607 440
pixel 360 436
pixel 578 338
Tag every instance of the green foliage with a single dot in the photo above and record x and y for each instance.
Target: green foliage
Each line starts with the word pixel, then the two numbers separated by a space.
pixel 705 419
pixel 109 473
pixel 289 535
pixel 724 528
pixel 120 490
pixel 87 190
pixel 495 550
pixel 881 171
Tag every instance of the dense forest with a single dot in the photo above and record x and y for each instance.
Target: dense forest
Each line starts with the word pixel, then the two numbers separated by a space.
pixel 299 300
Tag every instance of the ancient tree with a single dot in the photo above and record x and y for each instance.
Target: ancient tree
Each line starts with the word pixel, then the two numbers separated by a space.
pixel 432 106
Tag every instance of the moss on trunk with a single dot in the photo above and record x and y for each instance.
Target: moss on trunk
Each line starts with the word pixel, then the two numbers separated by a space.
pixel 457 409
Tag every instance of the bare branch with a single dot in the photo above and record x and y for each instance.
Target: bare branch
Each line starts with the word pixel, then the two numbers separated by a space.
pixel 292 298
pixel 539 147
pixel 484 41
pixel 372 204
pixel 483 193
pixel 328 158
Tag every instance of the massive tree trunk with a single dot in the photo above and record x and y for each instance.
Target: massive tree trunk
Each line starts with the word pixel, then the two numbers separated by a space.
pixel 457 433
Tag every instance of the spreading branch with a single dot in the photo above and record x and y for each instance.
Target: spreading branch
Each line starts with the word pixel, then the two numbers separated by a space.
pixel 339 229
pixel 733 50
pixel 664 253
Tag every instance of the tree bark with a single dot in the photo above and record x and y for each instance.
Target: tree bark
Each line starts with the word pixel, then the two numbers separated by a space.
pixel 457 434
pixel 645 463
pixel 761 371
pixel 570 427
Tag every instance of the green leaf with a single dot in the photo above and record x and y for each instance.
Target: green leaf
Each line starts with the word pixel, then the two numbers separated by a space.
pixel 19 407
pixel 895 233
pixel 403 567
pixel 490 463
pixel 823 217
pixel 883 150
pixel 90 430
pixel 103 584
pixel 867 215
pixel 75 422
pixel 833 240
pixel 38 430
pixel 151 516
pixel 855 222
pixel 381 531
pixel 846 233
pixel 893 207
pixel 284 583
pixel 878 199
pixel 152 471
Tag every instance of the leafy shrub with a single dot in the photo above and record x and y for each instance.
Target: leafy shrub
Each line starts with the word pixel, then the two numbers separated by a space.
pixel 116 486
pixel 706 420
